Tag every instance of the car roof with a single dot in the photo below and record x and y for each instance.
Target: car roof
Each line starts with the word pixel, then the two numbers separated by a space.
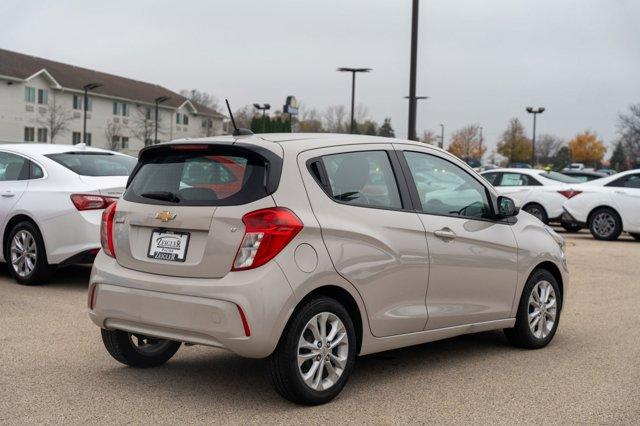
pixel 29 148
pixel 298 142
pixel 515 170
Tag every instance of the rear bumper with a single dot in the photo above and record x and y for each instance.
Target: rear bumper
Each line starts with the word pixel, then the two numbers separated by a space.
pixel 195 310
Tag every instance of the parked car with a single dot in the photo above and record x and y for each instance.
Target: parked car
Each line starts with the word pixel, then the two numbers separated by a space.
pixel 607 172
pixel 583 175
pixel 537 192
pixel 575 166
pixel 331 246
pixel 608 206
pixel 51 201
pixel 520 166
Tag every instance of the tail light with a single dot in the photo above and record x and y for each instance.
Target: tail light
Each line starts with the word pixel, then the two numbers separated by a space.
pixel 570 193
pixel 267 232
pixel 92 297
pixel 91 202
pixel 106 230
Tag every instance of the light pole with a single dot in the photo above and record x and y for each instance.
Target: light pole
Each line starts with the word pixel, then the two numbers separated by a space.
pixel 480 149
pixel 412 72
pixel 417 98
pixel 86 87
pixel 158 101
pixel 442 136
pixel 353 72
pixel 535 112
pixel 264 108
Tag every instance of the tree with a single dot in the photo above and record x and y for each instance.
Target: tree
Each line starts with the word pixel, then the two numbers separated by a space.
pixel 514 144
pixel 203 98
pixel 243 117
pixel 430 137
pixel 546 148
pixel 143 124
pixel 562 158
pixel 368 127
pixel 386 129
pixel 309 120
pixel 466 143
pixel 586 148
pixel 112 132
pixel 335 118
pixel 629 131
pixel 56 119
pixel 619 160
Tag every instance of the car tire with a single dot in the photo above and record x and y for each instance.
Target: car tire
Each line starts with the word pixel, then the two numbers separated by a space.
pixel 535 327
pixel 298 353
pixel 538 211
pixel 571 227
pixel 26 255
pixel 145 352
pixel 605 224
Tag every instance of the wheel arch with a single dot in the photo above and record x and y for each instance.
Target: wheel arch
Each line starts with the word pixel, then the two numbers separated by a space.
pixel 529 203
pixel 604 206
pixel 20 217
pixel 553 269
pixel 343 297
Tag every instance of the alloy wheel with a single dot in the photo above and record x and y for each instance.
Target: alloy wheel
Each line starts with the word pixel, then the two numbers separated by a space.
pixel 24 253
pixel 323 349
pixel 543 309
pixel 604 224
pixel 146 345
pixel 535 211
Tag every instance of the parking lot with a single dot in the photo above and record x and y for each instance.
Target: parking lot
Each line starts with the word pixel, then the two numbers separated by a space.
pixel 53 367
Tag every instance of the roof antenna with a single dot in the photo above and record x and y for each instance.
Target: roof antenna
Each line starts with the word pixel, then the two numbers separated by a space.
pixel 236 131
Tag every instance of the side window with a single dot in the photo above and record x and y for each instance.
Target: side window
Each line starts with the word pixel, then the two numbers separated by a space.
pixel 35 172
pixel 13 167
pixel 531 181
pixel 491 177
pixel 446 189
pixel 631 181
pixel 363 178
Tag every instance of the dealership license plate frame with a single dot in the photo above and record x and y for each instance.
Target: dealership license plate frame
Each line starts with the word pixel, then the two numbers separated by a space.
pixel 180 257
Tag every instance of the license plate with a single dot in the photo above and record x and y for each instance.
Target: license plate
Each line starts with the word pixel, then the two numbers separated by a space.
pixel 168 245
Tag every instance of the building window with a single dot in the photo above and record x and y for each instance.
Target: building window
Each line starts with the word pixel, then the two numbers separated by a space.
pixel 88 136
pixel 185 119
pixel 42 135
pixel 76 138
pixel 124 142
pixel 125 110
pixel 77 102
pixel 116 108
pixel 29 94
pixel 29 134
pixel 178 118
pixel 43 96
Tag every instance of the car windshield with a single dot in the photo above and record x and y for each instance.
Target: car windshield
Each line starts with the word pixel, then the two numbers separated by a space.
pixel 559 177
pixel 95 163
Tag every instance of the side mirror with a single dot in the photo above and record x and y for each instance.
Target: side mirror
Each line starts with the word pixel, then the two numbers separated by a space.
pixel 507 207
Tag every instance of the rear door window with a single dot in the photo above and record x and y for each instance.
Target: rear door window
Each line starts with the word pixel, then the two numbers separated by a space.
pixel 95 163
pixel 210 177
pixel 13 167
pixel 363 178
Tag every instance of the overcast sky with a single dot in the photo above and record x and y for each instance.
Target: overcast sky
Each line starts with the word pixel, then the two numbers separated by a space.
pixel 479 61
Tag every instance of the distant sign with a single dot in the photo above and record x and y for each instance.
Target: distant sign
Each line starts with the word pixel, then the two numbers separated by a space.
pixel 291 106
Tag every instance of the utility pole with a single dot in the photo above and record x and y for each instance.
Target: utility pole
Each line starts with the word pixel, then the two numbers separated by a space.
pixel 412 73
pixel 442 136
pixel 353 72
pixel 87 87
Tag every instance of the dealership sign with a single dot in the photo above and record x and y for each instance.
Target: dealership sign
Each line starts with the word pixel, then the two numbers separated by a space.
pixel 291 106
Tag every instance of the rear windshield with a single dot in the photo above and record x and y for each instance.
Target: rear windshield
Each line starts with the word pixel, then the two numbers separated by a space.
pixel 95 163
pixel 211 177
pixel 560 177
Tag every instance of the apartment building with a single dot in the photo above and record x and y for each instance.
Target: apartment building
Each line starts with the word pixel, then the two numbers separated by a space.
pixel 43 101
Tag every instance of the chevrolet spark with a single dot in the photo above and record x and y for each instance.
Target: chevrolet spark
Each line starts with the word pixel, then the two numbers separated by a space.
pixel 310 250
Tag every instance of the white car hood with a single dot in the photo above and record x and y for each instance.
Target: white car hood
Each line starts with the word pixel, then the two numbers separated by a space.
pixel 110 186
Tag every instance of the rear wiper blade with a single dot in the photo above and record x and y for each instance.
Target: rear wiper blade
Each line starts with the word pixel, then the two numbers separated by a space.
pixel 162 196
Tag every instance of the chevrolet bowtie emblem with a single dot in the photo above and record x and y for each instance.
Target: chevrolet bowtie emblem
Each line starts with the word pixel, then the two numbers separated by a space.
pixel 165 216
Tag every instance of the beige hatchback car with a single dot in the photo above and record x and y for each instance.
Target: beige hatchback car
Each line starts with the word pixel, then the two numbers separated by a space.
pixel 312 249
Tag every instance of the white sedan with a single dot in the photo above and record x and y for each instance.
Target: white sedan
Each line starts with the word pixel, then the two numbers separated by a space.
pixel 537 192
pixel 51 202
pixel 608 206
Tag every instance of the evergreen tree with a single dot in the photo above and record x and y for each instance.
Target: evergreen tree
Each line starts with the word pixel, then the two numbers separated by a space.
pixel 386 130
pixel 619 160
pixel 562 158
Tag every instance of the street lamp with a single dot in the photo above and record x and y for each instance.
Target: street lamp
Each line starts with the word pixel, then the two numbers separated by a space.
pixel 86 87
pixel 535 112
pixel 413 131
pixel 412 72
pixel 353 72
pixel 158 101
pixel 264 108
pixel 442 136
pixel 480 149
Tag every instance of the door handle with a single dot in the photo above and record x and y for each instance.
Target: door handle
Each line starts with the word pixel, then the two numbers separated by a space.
pixel 445 234
pixel 620 192
pixel 8 195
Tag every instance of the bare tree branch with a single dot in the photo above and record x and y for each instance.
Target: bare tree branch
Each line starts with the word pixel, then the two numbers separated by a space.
pixel 56 119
